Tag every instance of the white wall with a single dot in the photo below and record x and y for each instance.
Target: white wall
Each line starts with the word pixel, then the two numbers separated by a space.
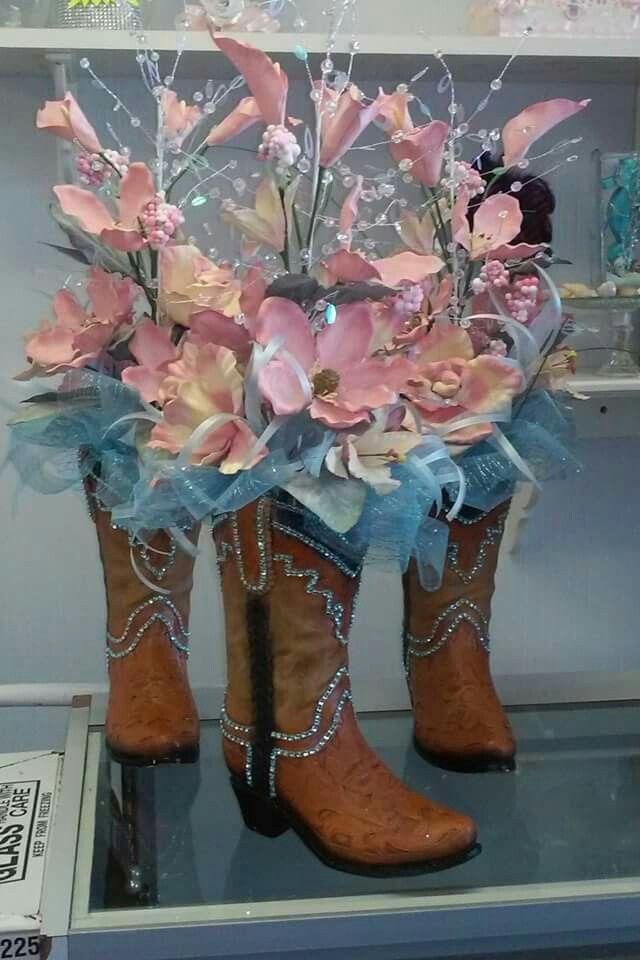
pixel 567 602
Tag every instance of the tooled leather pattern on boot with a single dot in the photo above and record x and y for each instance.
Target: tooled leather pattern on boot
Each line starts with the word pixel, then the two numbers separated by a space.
pixel 321 768
pixel 458 716
pixel 151 714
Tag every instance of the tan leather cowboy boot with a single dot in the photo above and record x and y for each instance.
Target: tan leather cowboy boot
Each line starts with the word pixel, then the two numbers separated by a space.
pixel 296 755
pixel 151 716
pixel 460 723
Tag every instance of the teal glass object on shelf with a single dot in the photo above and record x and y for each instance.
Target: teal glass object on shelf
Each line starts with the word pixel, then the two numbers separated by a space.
pixel 620 218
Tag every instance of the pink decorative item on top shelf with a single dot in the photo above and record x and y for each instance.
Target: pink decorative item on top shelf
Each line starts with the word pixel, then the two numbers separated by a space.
pixel 589 18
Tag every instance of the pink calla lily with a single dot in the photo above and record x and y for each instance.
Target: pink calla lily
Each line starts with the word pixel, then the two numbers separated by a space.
pixel 407 267
pixel 124 233
pixel 496 222
pixel 343 124
pixel 523 130
pixel 179 119
pixel 154 350
pixel 241 118
pixel 266 223
pixel 65 119
pixel 205 383
pixel 332 374
pixel 267 81
pixel 347 267
pixel 349 212
pixel 422 146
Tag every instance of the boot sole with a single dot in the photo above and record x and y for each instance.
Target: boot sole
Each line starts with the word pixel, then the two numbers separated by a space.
pixel 460 765
pixel 185 755
pixel 272 818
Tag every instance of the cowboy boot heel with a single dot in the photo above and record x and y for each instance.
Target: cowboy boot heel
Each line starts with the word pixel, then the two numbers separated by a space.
pixel 259 814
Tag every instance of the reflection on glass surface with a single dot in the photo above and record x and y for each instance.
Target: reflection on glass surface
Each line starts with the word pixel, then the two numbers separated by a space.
pixel 173 836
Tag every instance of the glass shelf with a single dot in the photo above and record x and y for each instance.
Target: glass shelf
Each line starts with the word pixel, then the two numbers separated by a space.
pixel 167 845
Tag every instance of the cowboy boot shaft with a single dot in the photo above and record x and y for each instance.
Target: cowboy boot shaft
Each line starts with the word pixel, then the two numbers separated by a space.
pixel 151 714
pixel 160 563
pixel 459 721
pixel 304 602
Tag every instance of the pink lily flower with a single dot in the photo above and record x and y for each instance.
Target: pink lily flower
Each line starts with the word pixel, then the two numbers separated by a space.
pixel 264 225
pixel 191 284
pixel 349 212
pixel 369 456
pixel 496 222
pixel 205 383
pixel 332 374
pixel 80 336
pixel 417 234
pixel 245 115
pixel 532 123
pixel 452 383
pixel 267 81
pixel 344 116
pixel 422 146
pixel 154 350
pixel 347 267
pixel 137 190
pixel 179 119
pixel 65 119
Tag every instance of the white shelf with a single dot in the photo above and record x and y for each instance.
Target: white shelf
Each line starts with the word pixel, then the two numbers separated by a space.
pixel 605 385
pixel 24 49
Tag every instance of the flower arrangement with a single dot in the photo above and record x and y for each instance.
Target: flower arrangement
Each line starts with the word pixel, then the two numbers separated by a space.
pixel 376 330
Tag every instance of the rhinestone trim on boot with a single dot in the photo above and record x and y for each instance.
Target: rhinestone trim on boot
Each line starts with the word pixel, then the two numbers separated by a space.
pixel 461 611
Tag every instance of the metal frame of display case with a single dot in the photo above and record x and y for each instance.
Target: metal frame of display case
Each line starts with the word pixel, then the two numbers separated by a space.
pixel 491 921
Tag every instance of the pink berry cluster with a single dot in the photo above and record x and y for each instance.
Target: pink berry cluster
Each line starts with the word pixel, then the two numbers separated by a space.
pixel 160 220
pixel 279 144
pixel 95 169
pixel 497 348
pixel 524 298
pixel 463 175
pixel 410 300
pixel 493 274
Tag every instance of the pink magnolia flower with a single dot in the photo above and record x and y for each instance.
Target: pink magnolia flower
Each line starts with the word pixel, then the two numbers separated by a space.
pixel 154 350
pixel 204 384
pixel 420 149
pixel 191 283
pixel 333 373
pixel 179 119
pixel 138 200
pixel 266 223
pixel 344 116
pixel 496 222
pixel 452 382
pixel 527 127
pixel 65 119
pixel 79 336
pixel 369 456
